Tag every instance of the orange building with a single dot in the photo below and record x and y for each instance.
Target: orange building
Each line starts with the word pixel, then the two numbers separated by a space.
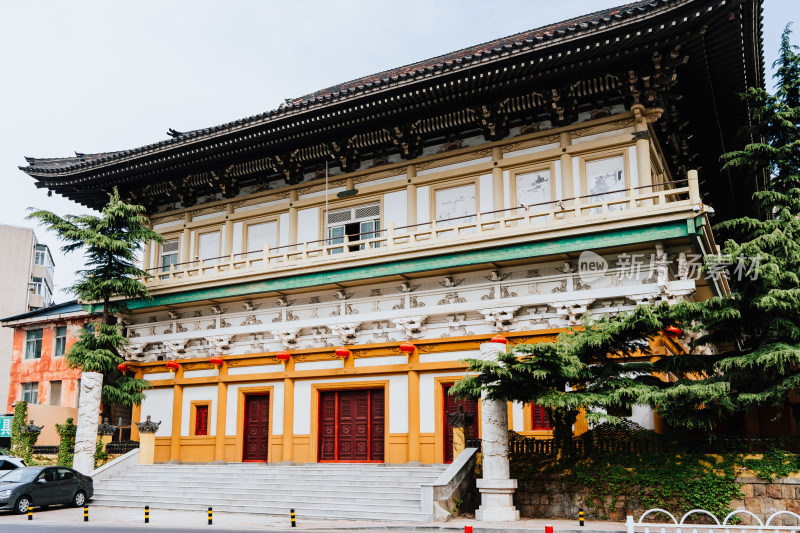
pixel 39 373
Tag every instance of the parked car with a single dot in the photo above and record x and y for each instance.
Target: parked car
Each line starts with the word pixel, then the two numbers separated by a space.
pixel 41 486
pixel 10 463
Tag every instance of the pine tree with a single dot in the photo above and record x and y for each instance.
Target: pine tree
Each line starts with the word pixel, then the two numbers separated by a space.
pixel 756 329
pixel 594 369
pixel 110 243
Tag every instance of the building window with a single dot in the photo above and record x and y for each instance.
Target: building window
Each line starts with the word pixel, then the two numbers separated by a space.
pixel 605 180
pixel 30 392
pixel 535 189
pixel 358 223
pixel 540 418
pixel 40 257
pixel 456 205
pixel 39 286
pixel 201 419
pixel 33 344
pixel 169 254
pixel 259 236
pixel 208 247
pixel 55 393
pixel 60 345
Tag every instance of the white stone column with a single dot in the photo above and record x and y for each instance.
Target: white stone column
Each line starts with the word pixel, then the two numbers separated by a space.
pixel 88 413
pixel 496 487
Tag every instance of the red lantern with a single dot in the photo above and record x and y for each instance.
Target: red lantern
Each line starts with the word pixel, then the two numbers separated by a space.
pixel 343 352
pixel 216 360
pixel 283 356
pixel 499 339
pixel 122 367
pixel 407 347
pixel 673 331
pixel 172 366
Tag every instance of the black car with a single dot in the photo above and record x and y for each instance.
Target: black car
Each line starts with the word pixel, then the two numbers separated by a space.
pixel 41 486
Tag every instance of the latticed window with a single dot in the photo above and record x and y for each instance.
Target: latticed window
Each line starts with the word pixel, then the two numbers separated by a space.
pixel 540 418
pixel 358 223
pixel 201 420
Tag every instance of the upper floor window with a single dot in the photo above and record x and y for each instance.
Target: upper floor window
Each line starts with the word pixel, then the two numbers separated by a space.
pixel 39 286
pixel 33 344
pixel 208 247
pixel 605 180
pixel 40 257
pixel 169 254
pixel 29 392
pixel 359 223
pixel 260 235
pixel 55 393
pixel 456 205
pixel 60 345
pixel 535 189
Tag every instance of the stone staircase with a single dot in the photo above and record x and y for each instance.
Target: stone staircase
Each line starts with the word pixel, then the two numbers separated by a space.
pixel 314 491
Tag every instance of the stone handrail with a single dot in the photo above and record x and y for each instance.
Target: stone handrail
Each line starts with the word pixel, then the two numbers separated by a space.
pixel 481 226
pixel 438 498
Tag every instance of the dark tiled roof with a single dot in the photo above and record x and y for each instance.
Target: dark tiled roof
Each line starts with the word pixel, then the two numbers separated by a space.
pixel 436 65
pixel 56 309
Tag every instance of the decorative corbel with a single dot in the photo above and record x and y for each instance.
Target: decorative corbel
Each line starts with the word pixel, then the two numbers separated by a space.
pixel 502 318
pixel 411 326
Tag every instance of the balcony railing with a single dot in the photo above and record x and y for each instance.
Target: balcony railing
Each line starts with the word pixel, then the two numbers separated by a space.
pixel 542 217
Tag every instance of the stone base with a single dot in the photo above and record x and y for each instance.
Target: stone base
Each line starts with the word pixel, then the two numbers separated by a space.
pixel 497 500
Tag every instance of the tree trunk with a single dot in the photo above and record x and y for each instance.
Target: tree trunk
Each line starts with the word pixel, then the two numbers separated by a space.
pixel 563 420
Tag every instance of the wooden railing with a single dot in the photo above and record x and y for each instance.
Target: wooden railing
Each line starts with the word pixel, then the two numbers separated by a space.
pixel 488 225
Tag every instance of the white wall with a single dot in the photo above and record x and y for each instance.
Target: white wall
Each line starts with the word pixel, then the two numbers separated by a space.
pixel 158 404
pixel 427 398
pixel 486 187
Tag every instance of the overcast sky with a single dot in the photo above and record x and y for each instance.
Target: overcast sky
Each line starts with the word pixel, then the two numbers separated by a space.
pixel 93 76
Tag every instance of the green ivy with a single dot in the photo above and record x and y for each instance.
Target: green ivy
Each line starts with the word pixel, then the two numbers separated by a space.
pixel 66 443
pixel 19 442
pixel 100 455
pixel 679 482
pixel 774 463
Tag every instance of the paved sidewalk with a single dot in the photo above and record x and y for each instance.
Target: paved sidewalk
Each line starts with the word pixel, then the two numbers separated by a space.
pixel 160 518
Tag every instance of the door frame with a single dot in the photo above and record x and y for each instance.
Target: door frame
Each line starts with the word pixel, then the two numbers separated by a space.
pixel 316 397
pixel 240 419
pixel 439 384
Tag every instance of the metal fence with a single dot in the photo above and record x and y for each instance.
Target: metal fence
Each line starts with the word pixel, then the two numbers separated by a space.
pixel 44 450
pixel 781 521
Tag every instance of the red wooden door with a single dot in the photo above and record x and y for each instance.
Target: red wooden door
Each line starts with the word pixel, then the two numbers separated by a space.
pixel 256 427
pixel 451 404
pixel 351 426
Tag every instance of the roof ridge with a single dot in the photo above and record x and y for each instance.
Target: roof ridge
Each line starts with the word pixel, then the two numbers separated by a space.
pixel 466 49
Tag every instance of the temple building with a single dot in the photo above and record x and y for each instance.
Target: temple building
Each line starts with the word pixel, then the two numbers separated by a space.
pixel 327 265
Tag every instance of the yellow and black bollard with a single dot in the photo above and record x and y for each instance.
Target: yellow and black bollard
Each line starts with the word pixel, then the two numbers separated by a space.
pixel 146 514
pixel 209 516
pixel 85 513
pixel 291 514
pixel 580 517
pixel 30 513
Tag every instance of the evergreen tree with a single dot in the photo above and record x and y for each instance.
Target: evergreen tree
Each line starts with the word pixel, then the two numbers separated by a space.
pixel 756 329
pixel 110 243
